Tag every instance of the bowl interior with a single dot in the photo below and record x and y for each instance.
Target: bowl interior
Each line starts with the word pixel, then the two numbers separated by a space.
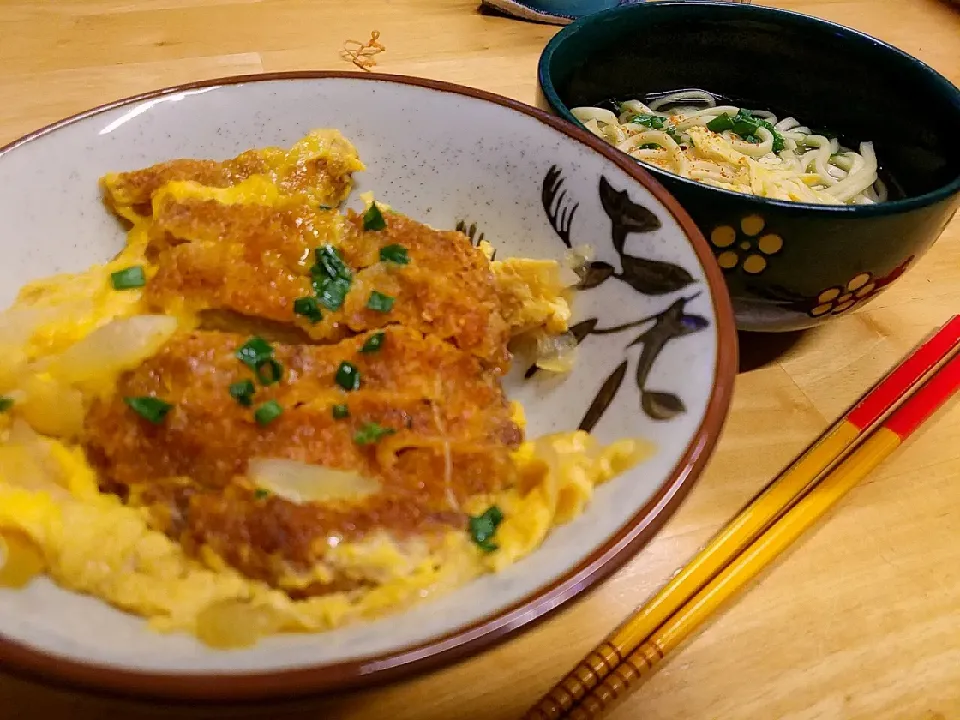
pixel 442 158
pixel 825 75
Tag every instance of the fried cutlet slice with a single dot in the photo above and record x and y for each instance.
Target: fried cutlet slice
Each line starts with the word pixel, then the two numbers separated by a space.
pixel 319 167
pixel 254 259
pixel 450 436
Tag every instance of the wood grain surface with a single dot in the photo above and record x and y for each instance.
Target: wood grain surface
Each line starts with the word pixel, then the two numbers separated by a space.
pixel 861 621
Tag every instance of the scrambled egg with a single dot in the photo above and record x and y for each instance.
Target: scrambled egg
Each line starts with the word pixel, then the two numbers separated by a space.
pixel 90 542
pixel 68 338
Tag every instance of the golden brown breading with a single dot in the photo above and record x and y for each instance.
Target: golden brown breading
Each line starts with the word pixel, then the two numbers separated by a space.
pixel 235 243
pixel 255 259
pixel 452 435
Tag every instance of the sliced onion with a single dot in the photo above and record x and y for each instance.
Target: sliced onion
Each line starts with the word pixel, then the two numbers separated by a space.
pixel 229 624
pixel 120 345
pixel 50 407
pixel 578 256
pixel 21 560
pixel 27 462
pixel 17 326
pixel 556 353
pixel 301 482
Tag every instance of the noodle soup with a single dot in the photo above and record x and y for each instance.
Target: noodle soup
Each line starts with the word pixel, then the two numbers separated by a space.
pixel 701 136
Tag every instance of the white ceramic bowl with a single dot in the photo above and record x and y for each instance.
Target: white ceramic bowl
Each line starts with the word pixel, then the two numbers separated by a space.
pixel 442 154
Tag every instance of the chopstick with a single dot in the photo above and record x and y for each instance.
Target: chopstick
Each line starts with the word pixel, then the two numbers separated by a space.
pixel 766 508
pixel 879 445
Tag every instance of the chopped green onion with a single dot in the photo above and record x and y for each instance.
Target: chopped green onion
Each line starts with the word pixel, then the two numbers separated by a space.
pixel 674 135
pixel 149 408
pixel 329 264
pixel 254 352
pixel 261 493
pixel 654 122
pixel 331 292
pixel 746 126
pixel 777 137
pixel 331 277
pixel 242 392
pixel 395 254
pixel 373 218
pixel 128 278
pixel 5 403
pixel 348 377
pixel 373 343
pixel 268 412
pixel 720 123
pixel 649 146
pixel 307 306
pixel 379 302
pixel 269 372
pixel 340 412
pixel 484 526
pixel 257 354
pixel 370 433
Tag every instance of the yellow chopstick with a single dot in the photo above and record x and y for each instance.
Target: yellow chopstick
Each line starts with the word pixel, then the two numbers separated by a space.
pixel 759 514
pixel 810 508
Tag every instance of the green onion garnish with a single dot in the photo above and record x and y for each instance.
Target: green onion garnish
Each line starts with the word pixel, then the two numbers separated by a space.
pixel 674 135
pixel 373 218
pixel 340 412
pixel 5 403
pixel 373 343
pixel 261 493
pixel 331 293
pixel 483 527
pixel 257 354
pixel 307 306
pixel 269 371
pixel 649 146
pixel 268 412
pixel 348 377
pixel 654 122
pixel 331 277
pixel 395 254
pixel 242 392
pixel 746 125
pixel 370 433
pixel 149 408
pixel 379 302
pixel 128 278
pixel 329 264
pixel 254 352
pixel 720 123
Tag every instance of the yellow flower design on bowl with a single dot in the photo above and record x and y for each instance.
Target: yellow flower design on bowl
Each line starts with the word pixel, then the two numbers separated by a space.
pixel 836 299
pixel 749 248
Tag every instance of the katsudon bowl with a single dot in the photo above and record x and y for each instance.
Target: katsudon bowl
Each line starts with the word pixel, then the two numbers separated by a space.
pixel 788 265
pixel 653 326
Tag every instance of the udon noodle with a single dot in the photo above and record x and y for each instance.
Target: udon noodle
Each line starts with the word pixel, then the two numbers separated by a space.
pixel 690 134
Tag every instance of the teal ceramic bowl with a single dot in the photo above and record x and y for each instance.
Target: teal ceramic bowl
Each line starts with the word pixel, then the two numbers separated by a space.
pixel 787 265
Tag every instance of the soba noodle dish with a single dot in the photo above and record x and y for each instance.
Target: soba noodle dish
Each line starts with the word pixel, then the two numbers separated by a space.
pixel 749 151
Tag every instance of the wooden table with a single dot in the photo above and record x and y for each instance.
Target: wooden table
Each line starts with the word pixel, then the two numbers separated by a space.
pixel 862 620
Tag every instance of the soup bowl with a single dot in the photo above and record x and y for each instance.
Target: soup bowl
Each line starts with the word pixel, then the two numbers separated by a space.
pixel 788 265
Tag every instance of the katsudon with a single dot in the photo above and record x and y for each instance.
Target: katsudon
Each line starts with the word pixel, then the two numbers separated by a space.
pixel 269 415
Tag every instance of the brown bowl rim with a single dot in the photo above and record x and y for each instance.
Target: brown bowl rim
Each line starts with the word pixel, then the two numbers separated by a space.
pixel 27 661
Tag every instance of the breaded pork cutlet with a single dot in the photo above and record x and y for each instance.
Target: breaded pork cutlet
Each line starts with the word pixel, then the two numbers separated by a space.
pixel 427 421
pixel 258 260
